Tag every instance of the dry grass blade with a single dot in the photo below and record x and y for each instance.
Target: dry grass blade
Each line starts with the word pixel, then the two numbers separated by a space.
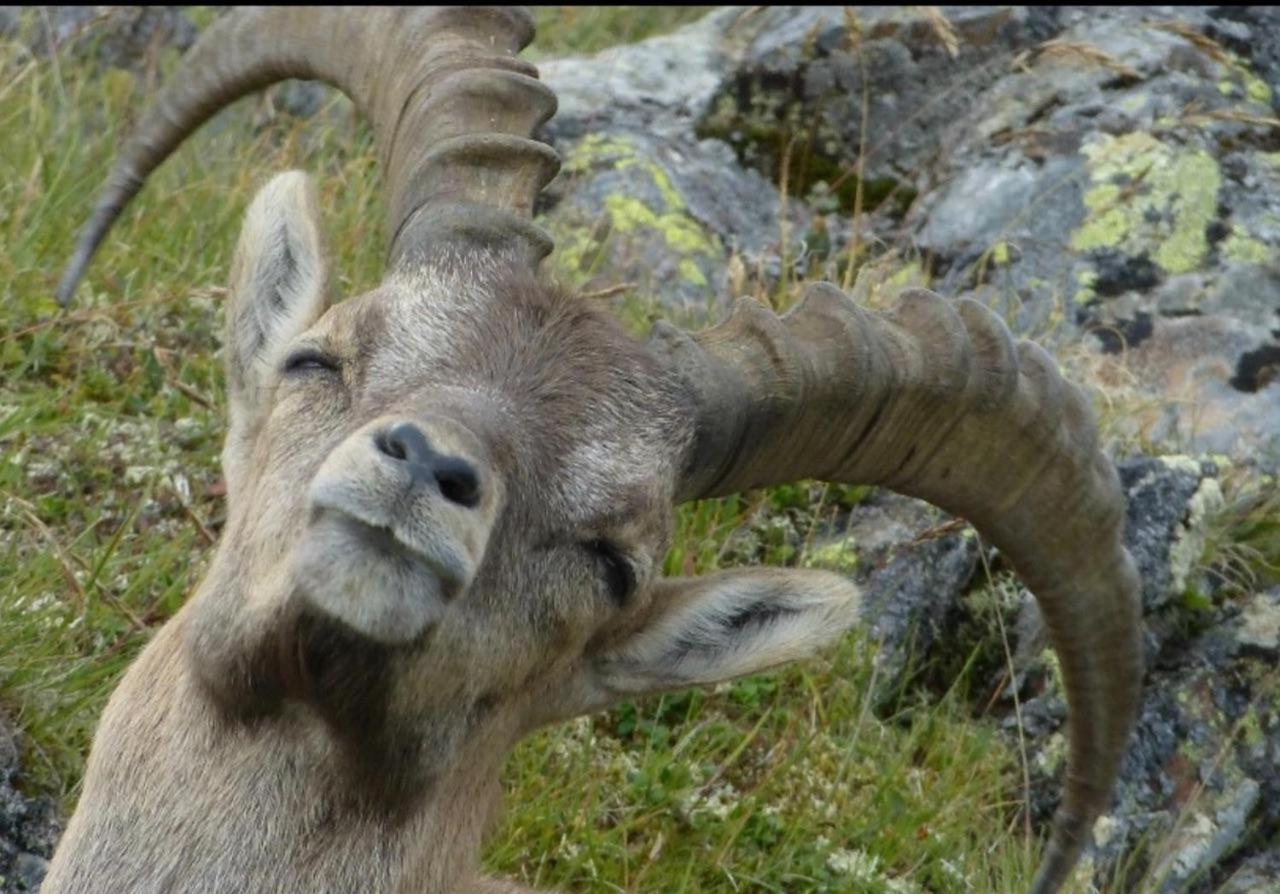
pixel 1201 42
pixel 1068 52
pixel 942 29
pixel 1235 116
pixel 64 560
pixel 621 288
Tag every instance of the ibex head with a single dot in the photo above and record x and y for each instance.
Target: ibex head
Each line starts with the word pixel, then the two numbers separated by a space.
pixel 449 498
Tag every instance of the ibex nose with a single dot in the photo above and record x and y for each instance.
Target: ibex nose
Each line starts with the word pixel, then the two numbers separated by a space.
pixel 457 479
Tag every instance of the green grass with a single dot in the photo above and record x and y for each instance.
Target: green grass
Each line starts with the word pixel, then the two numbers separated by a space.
pixel 581 30
pixel 111 418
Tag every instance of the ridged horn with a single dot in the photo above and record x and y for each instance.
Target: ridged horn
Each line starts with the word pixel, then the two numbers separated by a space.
pixel 451 106
pixel 936 401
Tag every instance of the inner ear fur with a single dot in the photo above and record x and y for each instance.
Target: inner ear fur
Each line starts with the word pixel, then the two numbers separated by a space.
pixel 708 629
pixel 278 286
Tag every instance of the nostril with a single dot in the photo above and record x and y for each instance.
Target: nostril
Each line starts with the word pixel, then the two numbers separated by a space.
pixel 389 446
pixel 405 442
pixel 458 480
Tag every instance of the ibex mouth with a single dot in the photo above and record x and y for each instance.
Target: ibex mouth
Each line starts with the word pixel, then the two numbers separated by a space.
pixel 374 578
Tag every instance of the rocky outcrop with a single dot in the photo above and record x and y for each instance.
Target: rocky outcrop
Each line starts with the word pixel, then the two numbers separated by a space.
pixel 1196 806
pixel 1111 172
pixel 28 827
pixel 110 36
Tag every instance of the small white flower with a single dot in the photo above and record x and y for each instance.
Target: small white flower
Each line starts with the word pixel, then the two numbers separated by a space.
pixel 859 866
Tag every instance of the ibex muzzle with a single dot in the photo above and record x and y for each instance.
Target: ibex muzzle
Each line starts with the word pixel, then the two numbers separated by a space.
pixel 449 497
pixel 390 512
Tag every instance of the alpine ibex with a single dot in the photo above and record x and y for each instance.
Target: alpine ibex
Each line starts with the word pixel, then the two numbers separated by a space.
pixel 448 497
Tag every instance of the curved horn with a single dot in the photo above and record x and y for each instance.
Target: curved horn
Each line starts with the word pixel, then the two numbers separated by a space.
pixel 451 106
pixel 936 401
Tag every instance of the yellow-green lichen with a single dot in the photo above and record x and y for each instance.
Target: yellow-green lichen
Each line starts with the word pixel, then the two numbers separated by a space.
pixel 1242 248
pixel 838 555
pixel 1086 279
pixel 1054 668
pixel 1254 87
pixel 1257 90
pixel 909 275
pixel 578 250
pixel 1146 196
pixel 626 214
pixel 691 273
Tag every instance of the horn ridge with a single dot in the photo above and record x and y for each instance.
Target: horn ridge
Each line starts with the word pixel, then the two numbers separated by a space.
pixel 936 400
pixel 419 74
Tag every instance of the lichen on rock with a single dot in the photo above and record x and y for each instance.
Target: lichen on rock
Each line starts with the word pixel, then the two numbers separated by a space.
pixel 1148 197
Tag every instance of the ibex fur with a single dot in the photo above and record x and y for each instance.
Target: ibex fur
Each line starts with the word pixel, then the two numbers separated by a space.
pixel 449 497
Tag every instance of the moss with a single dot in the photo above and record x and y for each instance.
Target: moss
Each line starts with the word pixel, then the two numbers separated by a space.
pixel 1147 196
pixel 1251 733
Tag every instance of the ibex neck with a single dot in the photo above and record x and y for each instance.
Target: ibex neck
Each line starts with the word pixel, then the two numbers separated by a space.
pixel 177 798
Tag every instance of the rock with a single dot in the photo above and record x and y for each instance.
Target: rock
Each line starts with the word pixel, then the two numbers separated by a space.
pixel 806 71
pixel 912 562
pixel 660 216
pixel 1206 381
pixel 112 36
pixel 1256 875
pixel 1199 776
pixel 1107 206
pixel 1111 170
pixel 910 603
pixel 662 83
pixel 642 201
pixel 29 828
pixel 1169 500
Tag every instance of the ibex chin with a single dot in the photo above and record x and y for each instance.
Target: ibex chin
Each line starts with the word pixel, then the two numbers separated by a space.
pixel 449 497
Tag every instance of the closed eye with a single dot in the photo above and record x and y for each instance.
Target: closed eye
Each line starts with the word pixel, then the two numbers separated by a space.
pixel 310 360
pixel 616 572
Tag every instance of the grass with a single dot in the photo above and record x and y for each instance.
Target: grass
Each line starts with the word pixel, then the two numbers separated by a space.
pixel 110 497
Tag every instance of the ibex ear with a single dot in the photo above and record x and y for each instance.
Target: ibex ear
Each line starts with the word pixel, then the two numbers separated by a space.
pixel 720 626
pixel 278 289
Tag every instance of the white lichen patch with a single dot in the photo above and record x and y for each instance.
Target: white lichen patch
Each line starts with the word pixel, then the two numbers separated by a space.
pixel 1189 538
pixel 1204 837
pixel 1105 829
pixel 1053 755
pixel 1260 623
